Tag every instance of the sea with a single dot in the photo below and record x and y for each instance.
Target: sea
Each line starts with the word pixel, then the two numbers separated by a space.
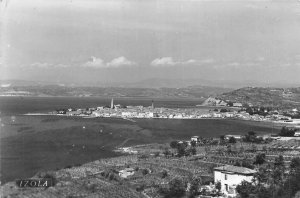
pixel 22 105
pixel 31 144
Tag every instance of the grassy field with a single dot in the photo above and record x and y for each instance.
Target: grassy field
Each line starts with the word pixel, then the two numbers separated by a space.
pixel 33 143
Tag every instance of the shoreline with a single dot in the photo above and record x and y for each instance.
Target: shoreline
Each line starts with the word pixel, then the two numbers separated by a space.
pixel 132 118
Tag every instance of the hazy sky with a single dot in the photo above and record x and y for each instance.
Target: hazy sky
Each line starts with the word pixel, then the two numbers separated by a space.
pixel 131 40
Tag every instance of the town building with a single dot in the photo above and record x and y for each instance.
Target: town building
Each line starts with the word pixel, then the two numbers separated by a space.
pixel 237 137
pixel 237 104
pixel 231 176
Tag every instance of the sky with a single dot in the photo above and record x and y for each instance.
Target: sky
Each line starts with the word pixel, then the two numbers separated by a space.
pixel 81 41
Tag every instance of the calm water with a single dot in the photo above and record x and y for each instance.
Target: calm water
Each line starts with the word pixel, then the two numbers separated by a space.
pixel 21 105
pixel 30 144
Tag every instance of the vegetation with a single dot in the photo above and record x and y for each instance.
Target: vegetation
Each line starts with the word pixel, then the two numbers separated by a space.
pixel 286 132
pixel 195 186
pixel 273 181
pixel 177 188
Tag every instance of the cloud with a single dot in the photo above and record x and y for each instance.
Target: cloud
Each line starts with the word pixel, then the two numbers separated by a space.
pixel 121 61
pixel 95 63
pixel 168 61
pixel 165 61
pixel 44 65
pixel 233 64
pixel 208 60
pixel 117 62
pixel 260 58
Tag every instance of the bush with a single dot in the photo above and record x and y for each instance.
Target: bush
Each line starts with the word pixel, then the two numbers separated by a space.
pixel 167 152
pixel 195 185
pixel 232 140
pixel 156 154
pixel 91 187
pixel 181 150
pixel 144 156
pixel 145 171
pixel 177 188
pixel 140 188
pixel 174 144
pixel 164 174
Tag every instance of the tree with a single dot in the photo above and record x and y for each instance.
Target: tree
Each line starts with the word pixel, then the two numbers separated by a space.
pixel 230 103
pixel 245 189
pixel 180 150
pixel 195 185
pixel 174 144
pixel 193 143
pixel 218 186
pixel 279 162
pixel 232 140
pixel 223 110
pixel 145 171
pixel 176 188
pixel 156 154
pixel 185 144
pixel 295 164
pixel 193 151
pixel 262 175
pixel 164 174
pixel 286 132
pixel 222 139
pixel 260 158
pixel 250 136
pixel 167 152
pixel 246 164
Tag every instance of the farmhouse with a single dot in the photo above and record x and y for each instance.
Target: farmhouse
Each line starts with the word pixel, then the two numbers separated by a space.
pixel 126 172
pixel 231 176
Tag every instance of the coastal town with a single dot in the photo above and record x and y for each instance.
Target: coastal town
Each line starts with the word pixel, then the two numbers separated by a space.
pixel 217 109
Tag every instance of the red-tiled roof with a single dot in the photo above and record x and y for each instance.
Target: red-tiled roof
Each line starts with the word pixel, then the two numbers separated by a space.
pixel 235 169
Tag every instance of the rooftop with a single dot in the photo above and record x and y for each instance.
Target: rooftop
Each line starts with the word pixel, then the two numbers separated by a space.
pixel 235 169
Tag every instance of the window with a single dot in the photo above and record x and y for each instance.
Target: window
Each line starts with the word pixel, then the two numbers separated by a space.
pixel 226 187
pixel 225 176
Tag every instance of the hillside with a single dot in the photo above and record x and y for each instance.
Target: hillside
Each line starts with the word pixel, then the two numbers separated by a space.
pixel 56 90
pixel 258 96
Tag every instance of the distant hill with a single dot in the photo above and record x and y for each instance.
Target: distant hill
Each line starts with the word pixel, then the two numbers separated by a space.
pixel 58 90
pixel 153 83
pixel 277 97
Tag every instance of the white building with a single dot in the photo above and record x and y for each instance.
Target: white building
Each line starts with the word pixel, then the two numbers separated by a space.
pixel 195 138
pixel 231 176
pixel 237 104
pixel 237 137
pixel 126 172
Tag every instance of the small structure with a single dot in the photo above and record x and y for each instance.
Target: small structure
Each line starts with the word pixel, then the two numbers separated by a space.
pixel 297 134
pixel 237 104
pixel 126 172
pixel 195 138
pixel 237 137
pixel 231 176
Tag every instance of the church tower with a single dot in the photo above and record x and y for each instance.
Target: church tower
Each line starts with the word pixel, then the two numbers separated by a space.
pixel 112 103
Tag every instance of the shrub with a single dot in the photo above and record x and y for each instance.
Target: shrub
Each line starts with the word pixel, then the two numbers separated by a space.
pixel 164 174
pixel 174 144
pixel 177 187
pixel 156 154
pixel 145 171
pixel 195 185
